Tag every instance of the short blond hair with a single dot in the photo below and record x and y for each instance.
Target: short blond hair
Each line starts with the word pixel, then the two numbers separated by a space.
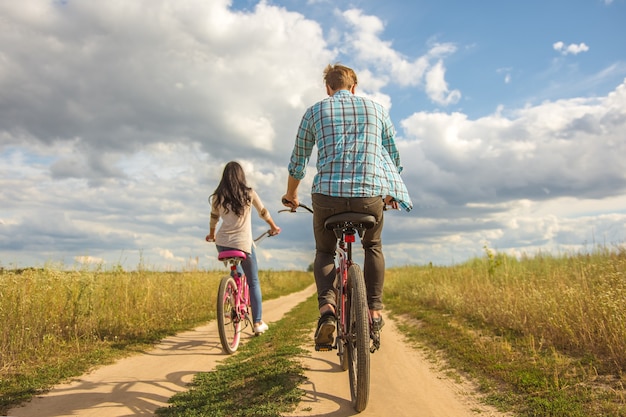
pixel 339 76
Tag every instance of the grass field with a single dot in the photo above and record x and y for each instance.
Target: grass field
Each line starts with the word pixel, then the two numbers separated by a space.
pixel 545 336
pixel 58 324
pixel 542 336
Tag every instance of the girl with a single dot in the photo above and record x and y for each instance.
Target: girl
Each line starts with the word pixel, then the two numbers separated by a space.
pixel 232 201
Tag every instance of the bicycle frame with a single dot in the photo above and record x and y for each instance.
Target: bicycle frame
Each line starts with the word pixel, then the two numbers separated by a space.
pixel 242 295
pixel 343 261
pixel 346 232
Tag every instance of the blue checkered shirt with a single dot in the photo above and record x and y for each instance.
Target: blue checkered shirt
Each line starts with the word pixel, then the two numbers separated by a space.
pixel 357 154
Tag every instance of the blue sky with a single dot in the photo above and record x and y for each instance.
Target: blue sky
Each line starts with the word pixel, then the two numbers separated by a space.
pixel 116 119
pixel 504 51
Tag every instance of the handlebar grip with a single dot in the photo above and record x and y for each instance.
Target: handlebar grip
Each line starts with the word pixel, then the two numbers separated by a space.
pixel 294 207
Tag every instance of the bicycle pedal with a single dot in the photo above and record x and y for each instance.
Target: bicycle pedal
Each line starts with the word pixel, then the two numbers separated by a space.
pixel 323 348
pixel 375 344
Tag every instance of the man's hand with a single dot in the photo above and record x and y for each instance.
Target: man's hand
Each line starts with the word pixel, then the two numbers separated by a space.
pixel 290 201
pixel 391 202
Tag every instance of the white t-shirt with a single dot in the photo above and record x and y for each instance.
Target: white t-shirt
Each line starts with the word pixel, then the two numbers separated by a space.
pixel 236 231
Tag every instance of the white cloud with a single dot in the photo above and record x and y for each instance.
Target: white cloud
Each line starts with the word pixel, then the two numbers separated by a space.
pixel 556 156
pixel 573 48
pixel 89 260
pixel 370 50
pixel 167 254
pixel 122 76
pixel 117 119
pixel 437 87
pixel 551 146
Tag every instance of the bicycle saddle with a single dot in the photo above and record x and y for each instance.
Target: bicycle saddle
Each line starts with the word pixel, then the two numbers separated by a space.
pixel 366 220
pixel 231 254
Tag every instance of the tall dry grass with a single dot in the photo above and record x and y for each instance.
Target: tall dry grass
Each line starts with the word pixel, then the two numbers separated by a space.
pixel 570 303
pixel 42 310
pixel 54 323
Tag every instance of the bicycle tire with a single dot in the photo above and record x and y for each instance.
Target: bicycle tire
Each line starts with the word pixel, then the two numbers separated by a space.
pixel 357 317
pixel 228 323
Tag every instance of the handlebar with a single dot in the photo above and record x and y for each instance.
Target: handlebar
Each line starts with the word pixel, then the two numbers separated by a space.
pixel 267 233
pixel 293 209
pixel 390 206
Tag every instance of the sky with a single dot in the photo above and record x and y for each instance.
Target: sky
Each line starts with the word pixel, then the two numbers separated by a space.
pixel 117 118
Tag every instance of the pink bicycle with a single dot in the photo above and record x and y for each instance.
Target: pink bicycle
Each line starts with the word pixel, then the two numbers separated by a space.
pixel 233 300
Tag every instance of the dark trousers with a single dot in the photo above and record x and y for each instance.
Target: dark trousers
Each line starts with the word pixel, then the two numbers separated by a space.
pixel 325 242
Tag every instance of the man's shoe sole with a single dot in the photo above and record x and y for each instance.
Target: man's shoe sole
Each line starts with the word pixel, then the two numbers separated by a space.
pixel 325 334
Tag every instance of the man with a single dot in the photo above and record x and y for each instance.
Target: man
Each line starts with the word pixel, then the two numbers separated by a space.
pixel 358 169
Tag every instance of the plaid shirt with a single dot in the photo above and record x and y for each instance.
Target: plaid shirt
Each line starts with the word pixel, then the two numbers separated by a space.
pixel 357 155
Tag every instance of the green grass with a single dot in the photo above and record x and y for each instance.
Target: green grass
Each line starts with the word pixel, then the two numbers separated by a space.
pixel 261 379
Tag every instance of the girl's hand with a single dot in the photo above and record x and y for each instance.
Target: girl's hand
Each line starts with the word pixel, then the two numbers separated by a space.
pixel 210 238
pixel 274 231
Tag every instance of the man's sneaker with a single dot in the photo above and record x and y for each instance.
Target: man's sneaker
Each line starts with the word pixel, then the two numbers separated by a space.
pixel 260 328
pixel 377 324
pixel 325 328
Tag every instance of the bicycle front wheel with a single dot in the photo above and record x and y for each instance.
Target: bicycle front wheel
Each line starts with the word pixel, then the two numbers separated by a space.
pixel 358 339
pixel 228 321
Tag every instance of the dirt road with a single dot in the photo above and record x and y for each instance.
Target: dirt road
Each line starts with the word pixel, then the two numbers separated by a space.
pixel 403 382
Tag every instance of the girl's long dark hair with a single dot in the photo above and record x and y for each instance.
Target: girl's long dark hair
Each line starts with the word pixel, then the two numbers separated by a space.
pixel 232 193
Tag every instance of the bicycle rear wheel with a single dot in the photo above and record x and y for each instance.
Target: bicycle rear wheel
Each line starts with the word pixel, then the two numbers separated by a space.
pixel 228 322
pixel 358 339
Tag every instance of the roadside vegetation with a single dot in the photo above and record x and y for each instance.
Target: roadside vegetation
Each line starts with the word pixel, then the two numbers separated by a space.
pixel 57 324
pixel 540 336
pixel 543 336
pixel 262 379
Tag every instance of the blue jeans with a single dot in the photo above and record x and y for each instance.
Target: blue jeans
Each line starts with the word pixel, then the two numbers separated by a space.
pixel 251 269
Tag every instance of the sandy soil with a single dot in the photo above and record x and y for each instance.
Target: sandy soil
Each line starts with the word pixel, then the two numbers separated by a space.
pixel 403 382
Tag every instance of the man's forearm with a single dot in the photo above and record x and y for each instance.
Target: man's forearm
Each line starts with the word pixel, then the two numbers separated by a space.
pixel 292 188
